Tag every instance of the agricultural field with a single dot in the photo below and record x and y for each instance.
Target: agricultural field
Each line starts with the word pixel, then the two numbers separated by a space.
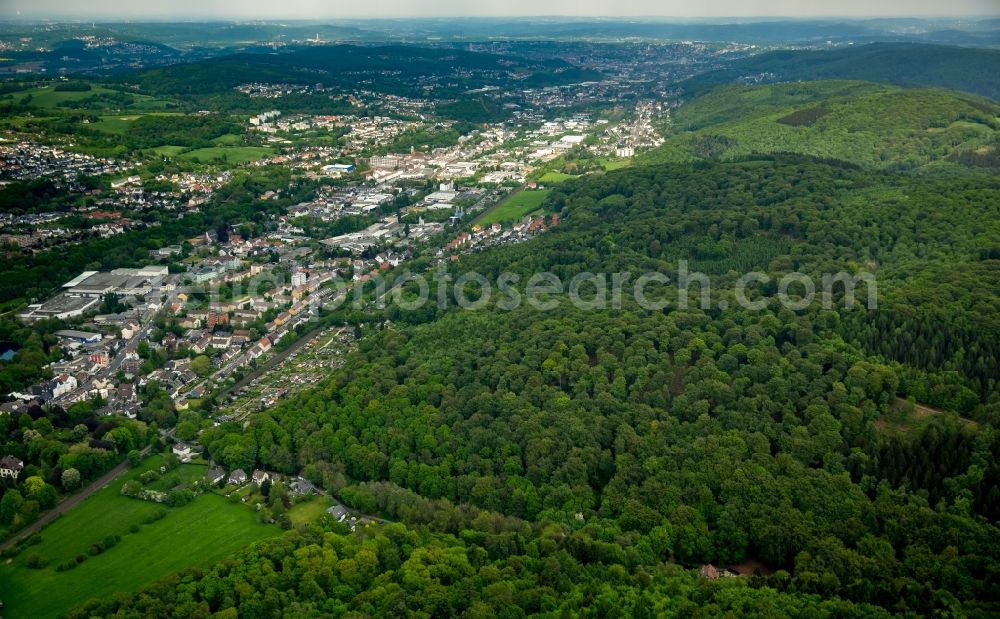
pixel 517 206
pixel 200 533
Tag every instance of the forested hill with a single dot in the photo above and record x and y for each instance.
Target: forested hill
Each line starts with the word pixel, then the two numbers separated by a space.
pixel 396 69
pixel 590 461
pixel 868 124
pixel 973 70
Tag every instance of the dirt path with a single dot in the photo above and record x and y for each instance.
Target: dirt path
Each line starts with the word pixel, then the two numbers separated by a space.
pixel 69 503
pixel 922 410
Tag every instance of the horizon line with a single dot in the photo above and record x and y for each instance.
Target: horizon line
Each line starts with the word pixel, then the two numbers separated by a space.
pixel 73 18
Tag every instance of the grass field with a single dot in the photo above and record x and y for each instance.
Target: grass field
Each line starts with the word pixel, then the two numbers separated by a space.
pixel 185 474
pixel 516 207
pixel 308 511
pixel 169 150
pixel 200 533
pixel 115 124
pixel 120 123
pixel 228 139
pixel 554 178
pixel 229 154
pixel 615 164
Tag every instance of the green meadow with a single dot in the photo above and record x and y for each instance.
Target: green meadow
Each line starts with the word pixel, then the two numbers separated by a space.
pixel 615 164
pixel 227 154
pixel 169 150
pixel 308 510
pixel 228 140
pixel 121 123
pixel 515 207
pixel 554 178
pixel 198 534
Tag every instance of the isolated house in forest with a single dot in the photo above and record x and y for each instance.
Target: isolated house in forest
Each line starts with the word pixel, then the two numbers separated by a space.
pixel 10 467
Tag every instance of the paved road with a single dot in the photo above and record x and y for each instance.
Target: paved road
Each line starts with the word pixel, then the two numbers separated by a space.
pixel 68 503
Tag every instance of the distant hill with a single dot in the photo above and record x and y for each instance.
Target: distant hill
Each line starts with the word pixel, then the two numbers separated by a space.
pixel 903 64
pixel 871 125
pixel 222 34
pixel 396 69
pixel 74 56
pixel 754 31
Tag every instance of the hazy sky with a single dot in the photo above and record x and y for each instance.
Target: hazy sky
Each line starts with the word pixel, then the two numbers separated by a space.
pixel 332 9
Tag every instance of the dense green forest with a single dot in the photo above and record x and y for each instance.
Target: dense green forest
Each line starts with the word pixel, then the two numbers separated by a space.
pixel 39 194
pixel 590 460
pixel 495 567
pixel 930 242
pixel 394 69
pixel 37 347
pixel 480 110
pixel 867 124
pixel 971 69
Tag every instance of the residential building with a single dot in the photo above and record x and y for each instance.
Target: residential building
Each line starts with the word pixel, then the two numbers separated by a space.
pixel 10 467
pixel 185 452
